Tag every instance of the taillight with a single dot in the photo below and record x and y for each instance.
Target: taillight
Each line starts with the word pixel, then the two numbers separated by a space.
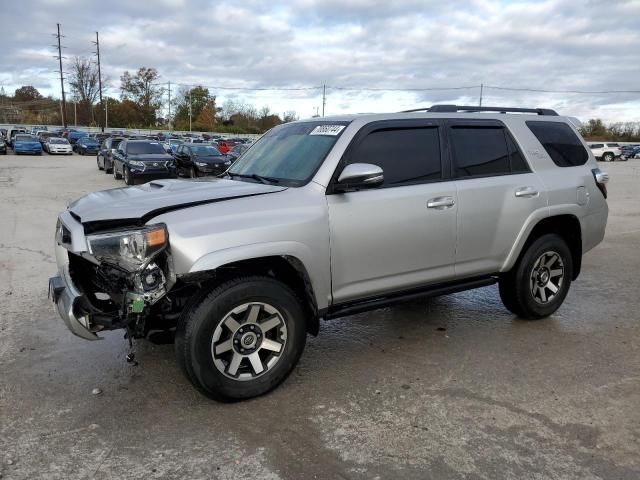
pixel 601 178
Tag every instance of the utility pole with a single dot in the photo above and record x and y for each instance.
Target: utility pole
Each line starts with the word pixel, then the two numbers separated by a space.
pixel 481 88
pixel 169 119
pixel 324 97
pixel 75 111
pixel 189 109
pixel 64 102
pixel 106 115
pixel 97 43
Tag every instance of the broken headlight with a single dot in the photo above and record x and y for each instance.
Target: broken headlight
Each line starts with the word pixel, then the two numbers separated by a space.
pixel 129 249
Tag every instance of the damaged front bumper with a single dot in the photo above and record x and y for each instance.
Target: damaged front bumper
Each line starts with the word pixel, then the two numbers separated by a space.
pixel 67 301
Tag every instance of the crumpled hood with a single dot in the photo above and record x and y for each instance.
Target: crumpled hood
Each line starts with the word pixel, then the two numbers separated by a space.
pixel 140 203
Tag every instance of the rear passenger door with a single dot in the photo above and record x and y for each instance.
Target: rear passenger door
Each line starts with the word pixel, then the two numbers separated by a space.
pixel 497 192
pixel 402 234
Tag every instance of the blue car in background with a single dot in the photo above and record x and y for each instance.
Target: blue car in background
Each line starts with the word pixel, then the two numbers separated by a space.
pixel 26 144
pixel 73 136
pixel 87 145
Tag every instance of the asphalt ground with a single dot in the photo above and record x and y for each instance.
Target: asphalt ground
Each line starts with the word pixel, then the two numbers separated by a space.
pixel 448 388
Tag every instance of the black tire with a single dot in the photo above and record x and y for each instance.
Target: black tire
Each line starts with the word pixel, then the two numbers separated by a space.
pixel 116 175
pixel 517 286
pixel 107 169
pixel 608 157
pixel 98 162
pixel 193 173
pixel 126 173
pixel 199 321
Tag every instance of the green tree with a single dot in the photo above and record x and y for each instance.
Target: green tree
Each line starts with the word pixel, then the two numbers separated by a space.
pixel 198 98
pixel 143 90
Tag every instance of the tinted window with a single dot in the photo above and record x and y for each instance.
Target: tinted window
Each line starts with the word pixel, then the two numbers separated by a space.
pixel 560 142
pixel 480 151
pixel 144 148
pixel 406 155
pixel 612 145
pixel 518 163
pixel 597 145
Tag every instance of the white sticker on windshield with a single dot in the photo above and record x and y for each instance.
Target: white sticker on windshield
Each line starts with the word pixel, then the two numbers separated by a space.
pixel 327 130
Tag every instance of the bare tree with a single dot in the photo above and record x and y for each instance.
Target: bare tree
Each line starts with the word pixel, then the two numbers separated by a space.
pixel 84 80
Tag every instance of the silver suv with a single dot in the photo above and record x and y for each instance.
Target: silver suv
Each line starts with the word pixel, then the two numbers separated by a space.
pixel 327 217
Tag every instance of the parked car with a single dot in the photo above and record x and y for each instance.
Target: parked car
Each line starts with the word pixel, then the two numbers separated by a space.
pixel 142 159
pixel 3 133
pixel 105 154
pixel 3 145
pixel 171 144
pixel 38 128
pixel 329 217
pixel 606 152
pixel 73 136
pixel 236 151
pixel 628 151
pixel 26 144
pixel 225 145
pixel 43 136
pixel 196 160
pixel 12 132
pixel 87 146
pixel 57 145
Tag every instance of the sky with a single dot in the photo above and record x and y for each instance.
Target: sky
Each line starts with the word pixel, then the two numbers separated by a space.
pixel 373 56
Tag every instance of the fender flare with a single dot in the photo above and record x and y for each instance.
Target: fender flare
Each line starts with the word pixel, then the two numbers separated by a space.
pixel 299 251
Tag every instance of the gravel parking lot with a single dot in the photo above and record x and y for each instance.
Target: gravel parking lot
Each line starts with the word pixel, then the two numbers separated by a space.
pixel 453 387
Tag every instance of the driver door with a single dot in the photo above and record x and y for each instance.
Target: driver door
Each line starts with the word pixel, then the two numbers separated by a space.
pixel 402 234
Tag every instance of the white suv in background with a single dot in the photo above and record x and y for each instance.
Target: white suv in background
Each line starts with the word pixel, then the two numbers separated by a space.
pixel 607 152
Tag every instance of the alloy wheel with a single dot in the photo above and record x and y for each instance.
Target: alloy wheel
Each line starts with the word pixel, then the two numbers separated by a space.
pixel 547 276
pixel 249 341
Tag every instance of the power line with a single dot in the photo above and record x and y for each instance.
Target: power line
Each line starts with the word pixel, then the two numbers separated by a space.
pixel 538 90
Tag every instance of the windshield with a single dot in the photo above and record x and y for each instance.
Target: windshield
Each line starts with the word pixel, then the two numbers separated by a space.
pixel 88 140
pixel 291 153
pixel 205 150
pixel 144 147
pixel 59 141
pixel 25 138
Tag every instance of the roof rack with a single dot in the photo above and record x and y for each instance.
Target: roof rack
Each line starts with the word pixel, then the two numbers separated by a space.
pixel 468 108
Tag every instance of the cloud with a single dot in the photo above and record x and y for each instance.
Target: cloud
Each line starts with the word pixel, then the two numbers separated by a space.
pixel 412 44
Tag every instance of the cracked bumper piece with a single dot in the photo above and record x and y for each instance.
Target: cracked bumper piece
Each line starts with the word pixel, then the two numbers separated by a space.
pixel 67 300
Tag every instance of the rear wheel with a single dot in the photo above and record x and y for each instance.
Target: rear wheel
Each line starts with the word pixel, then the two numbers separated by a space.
pixel 116 175
pixel 538 284
pixel 242 338
pixel 98 162
pixel 193 173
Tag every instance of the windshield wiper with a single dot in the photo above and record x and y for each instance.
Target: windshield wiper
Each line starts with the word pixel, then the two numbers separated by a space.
pixel 255 176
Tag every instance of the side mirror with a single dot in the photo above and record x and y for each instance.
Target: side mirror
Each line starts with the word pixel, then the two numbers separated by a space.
pixel 358 176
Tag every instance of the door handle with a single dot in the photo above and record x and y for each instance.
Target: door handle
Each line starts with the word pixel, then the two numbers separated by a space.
pixel 526 192
pixel 441 203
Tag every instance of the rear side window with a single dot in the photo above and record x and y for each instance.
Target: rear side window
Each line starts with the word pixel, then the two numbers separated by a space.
pixel 406 155
pixel 560 142
pixel 597 145
pixel 480 151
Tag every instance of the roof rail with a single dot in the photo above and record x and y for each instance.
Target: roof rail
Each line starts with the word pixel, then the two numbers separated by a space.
pixel 468 108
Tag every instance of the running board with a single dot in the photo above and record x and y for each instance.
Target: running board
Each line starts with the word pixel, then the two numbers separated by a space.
pixel 373 303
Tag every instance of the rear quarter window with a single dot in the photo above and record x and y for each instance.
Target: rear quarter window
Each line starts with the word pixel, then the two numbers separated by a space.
pixel 560 142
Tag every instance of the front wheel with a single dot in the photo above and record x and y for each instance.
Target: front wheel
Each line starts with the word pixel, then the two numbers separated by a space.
pixel 242 338
pixel 538 284
pixel 98 162
pixel 608 157
pixel 126 173
pixel 116 175
pixel 193 173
